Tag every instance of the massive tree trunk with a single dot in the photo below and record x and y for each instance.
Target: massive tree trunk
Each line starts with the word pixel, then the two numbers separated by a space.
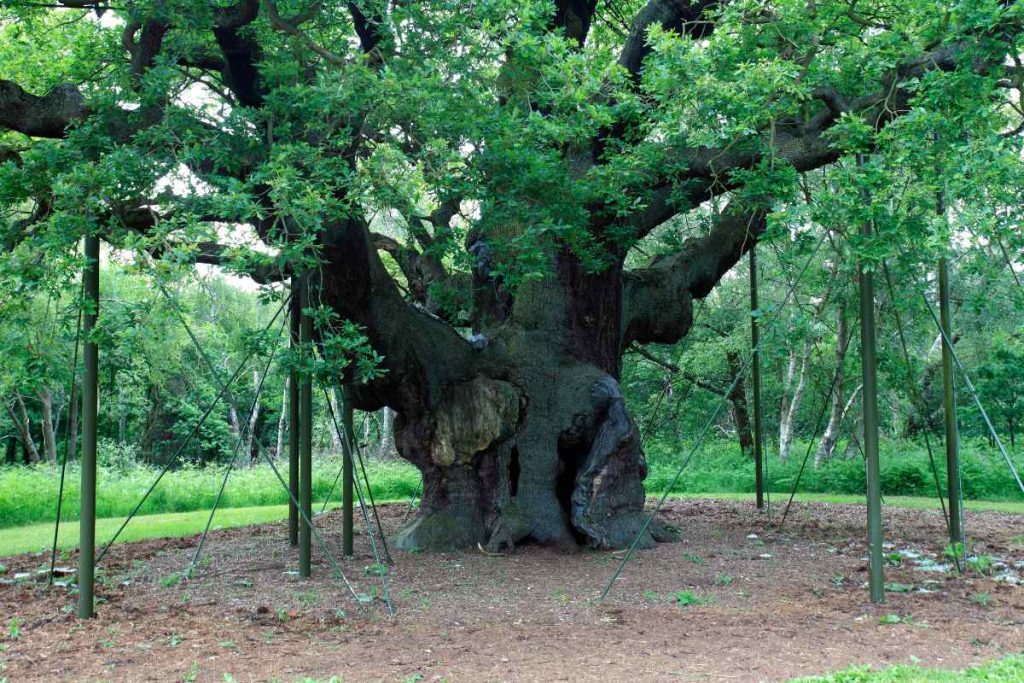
pixel 522 433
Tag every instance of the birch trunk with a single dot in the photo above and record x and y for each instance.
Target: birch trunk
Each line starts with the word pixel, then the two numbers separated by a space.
pixel 789 411
pixel 335 423
pixel 835 418
pixel 254 418
pixel 282 421
pixel 386 448
pixel 46 420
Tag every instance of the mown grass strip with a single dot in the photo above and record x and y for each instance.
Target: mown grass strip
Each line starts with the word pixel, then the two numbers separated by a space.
pixel 1008 669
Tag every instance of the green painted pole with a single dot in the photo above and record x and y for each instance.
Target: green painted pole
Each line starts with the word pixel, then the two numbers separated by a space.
pixel 869 396
pixel 90 404
pixel 949 408
pixel 755 344
pixel 295 309
pixel 305 437
pixel 347 473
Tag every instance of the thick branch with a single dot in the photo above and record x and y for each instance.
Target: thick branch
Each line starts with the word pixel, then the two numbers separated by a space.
pixel 575 17
pixel 801 143
pixel 680 16
pixel 44 117
pixel 658 299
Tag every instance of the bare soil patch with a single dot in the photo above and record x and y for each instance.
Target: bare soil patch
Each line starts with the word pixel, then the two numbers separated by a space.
pixel 770 605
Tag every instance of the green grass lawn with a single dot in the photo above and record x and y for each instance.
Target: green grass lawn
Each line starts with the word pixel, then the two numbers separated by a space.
pixel 37 537
pixel 1002 670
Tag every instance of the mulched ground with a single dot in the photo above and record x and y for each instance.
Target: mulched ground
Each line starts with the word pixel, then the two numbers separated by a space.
pixel 772 605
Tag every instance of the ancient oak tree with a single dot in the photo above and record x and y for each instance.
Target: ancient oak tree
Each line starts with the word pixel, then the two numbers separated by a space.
pixel 470 187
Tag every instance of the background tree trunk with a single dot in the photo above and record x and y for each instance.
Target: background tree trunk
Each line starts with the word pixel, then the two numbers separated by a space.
pixel 24 427
pixel 386 447
pixel 738 401
pixel 72 439
pixel 835 418
pixel 282 421
pixel 334 425
pixel 790 408
pixel 46 424
pixel 254 418
pixel 122 415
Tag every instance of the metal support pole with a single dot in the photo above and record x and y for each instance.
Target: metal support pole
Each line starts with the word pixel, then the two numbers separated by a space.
pixel 347 473
pixel 876 578
pixel 305 435
pixel 755 344
pixel 949 409
pixel 90 403
pixel 295 309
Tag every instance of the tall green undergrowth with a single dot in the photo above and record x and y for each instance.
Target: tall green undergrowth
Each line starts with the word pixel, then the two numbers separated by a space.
pixel 29 494
pixel 905 470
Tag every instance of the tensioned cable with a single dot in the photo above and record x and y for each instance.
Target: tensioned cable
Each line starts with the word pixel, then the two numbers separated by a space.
pixel 918 397
pixel 381 568
pixel 354 446
pixel 707 426
pixel 195 430
pixel 224 388
pixel 234 456
pixel 814 436
pixel 974 394
pixel 67 440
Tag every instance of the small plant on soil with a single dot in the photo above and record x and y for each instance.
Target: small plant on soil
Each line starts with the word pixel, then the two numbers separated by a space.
pixel 696 559
pixel 651 596
pixel 171 580
pixel 310 598
pixel 893 559
pixel 3 568
pixel 14 627
pixel 889 619
pixel 228 644
pixel 174 640
pixel 953 551
pixel 724 579
pixel 981 599
pixel 689 598
pixel 193 673
pixel 375 570
pixel 982 564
